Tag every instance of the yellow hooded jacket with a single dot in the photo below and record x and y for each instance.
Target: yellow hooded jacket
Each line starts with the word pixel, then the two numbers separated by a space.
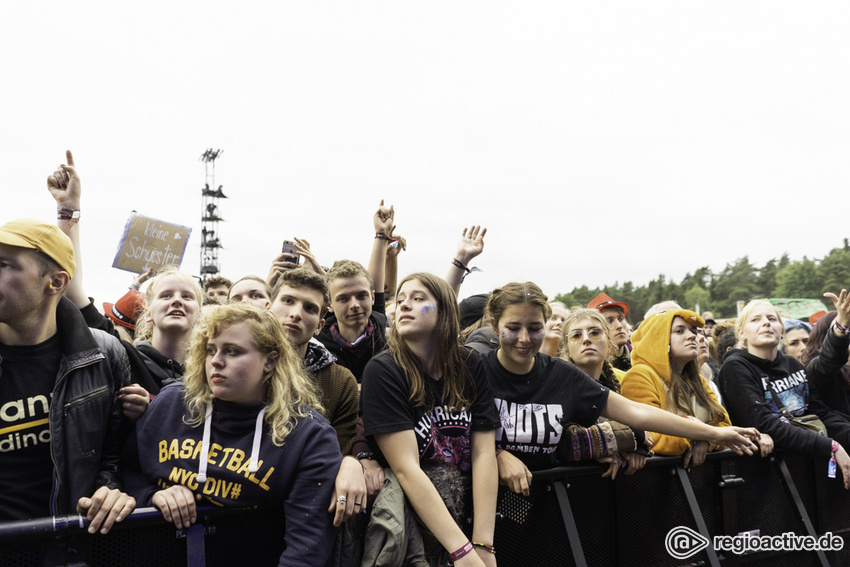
pixel 649 378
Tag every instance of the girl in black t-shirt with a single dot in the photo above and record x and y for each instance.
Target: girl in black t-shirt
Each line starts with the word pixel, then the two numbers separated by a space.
pixel 537 395
pixel 426 403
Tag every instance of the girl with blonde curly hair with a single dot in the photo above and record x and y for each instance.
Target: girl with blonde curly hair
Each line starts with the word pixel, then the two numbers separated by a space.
pixel 242 430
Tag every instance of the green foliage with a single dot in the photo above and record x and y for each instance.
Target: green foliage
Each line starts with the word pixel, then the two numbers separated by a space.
pixel 697 298
pixel 799 279
pixel 566 298
pixel 738 281
pixel 834 270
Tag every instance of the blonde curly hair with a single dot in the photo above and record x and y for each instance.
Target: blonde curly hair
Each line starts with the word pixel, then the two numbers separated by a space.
pixel 289 391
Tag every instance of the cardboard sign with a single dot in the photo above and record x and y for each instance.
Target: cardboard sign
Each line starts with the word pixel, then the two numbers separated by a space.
pixel 150 243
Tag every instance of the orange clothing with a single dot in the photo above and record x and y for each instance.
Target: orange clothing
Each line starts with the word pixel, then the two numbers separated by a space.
pixel 648 380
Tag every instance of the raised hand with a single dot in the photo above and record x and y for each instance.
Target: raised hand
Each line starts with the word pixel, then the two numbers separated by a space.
pixel 383 219
pixel 471 243
pixel 310 261
pixel 400 246
pixel 64 184
pixel 842 307
pixel 142 278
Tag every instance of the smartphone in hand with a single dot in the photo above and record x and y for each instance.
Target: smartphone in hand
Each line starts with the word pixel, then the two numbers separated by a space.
pixel 289 248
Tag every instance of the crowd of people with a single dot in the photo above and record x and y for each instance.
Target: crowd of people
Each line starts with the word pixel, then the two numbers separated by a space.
pixel 356 404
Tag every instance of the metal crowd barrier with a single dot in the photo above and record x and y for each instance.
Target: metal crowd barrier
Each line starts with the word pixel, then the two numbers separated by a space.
pixel 589 521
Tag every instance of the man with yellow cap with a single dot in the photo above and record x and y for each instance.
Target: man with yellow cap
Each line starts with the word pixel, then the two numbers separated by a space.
pixel 60 422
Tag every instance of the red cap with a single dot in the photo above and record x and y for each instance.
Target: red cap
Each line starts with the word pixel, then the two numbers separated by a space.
pixel 815 317
pixel 125 311
pixel 603 301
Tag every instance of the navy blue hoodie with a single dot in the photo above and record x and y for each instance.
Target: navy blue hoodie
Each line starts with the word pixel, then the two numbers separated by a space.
pixel 298 476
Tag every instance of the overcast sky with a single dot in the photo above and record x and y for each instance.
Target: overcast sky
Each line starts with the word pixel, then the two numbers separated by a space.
pixel 597 142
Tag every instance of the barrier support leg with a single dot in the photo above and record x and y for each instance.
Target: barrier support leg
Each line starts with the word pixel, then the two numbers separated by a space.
pixel 195 550
pixel 729 498
pixel 569 523
pixel 798 502
pixel 693 506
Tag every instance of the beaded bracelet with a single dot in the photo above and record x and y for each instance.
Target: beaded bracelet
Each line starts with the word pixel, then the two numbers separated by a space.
pixel 489 548
pixel 467 547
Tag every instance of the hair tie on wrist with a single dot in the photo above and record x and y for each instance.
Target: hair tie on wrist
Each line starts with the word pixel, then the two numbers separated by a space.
pixel 484 546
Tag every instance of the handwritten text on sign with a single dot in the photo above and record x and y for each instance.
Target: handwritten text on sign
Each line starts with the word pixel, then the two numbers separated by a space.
pixel 150 243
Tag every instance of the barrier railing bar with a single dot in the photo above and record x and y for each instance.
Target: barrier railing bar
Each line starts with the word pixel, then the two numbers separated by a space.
pixel 69 525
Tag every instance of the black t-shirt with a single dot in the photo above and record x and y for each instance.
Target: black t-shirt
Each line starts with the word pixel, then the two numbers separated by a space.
pixel 441 435
pixel 534 407
pixel 27 377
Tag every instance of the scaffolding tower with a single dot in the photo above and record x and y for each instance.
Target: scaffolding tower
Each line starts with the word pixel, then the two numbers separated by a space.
pixel 210 216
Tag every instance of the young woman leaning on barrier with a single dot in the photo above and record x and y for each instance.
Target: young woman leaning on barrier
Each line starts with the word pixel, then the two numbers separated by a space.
pixel 665 374
pixel 429 414
pixel 538 395
pixel 241 431
pixel 589 346
pixel 759 382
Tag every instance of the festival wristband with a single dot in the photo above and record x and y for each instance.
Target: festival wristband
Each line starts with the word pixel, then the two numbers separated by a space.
pixel 467 547
pixel 459 265
pixel 390 240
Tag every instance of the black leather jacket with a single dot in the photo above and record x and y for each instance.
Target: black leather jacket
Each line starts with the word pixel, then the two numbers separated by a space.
pixel 87 427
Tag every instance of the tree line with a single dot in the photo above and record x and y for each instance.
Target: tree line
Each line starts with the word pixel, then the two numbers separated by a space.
pixel 738 281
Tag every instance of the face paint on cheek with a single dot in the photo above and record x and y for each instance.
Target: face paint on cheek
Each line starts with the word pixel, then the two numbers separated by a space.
pixel 428 308
pixel 507 336
pixel 536 336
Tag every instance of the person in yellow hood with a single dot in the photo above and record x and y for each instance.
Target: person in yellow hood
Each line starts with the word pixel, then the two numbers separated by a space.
pixel 665 374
